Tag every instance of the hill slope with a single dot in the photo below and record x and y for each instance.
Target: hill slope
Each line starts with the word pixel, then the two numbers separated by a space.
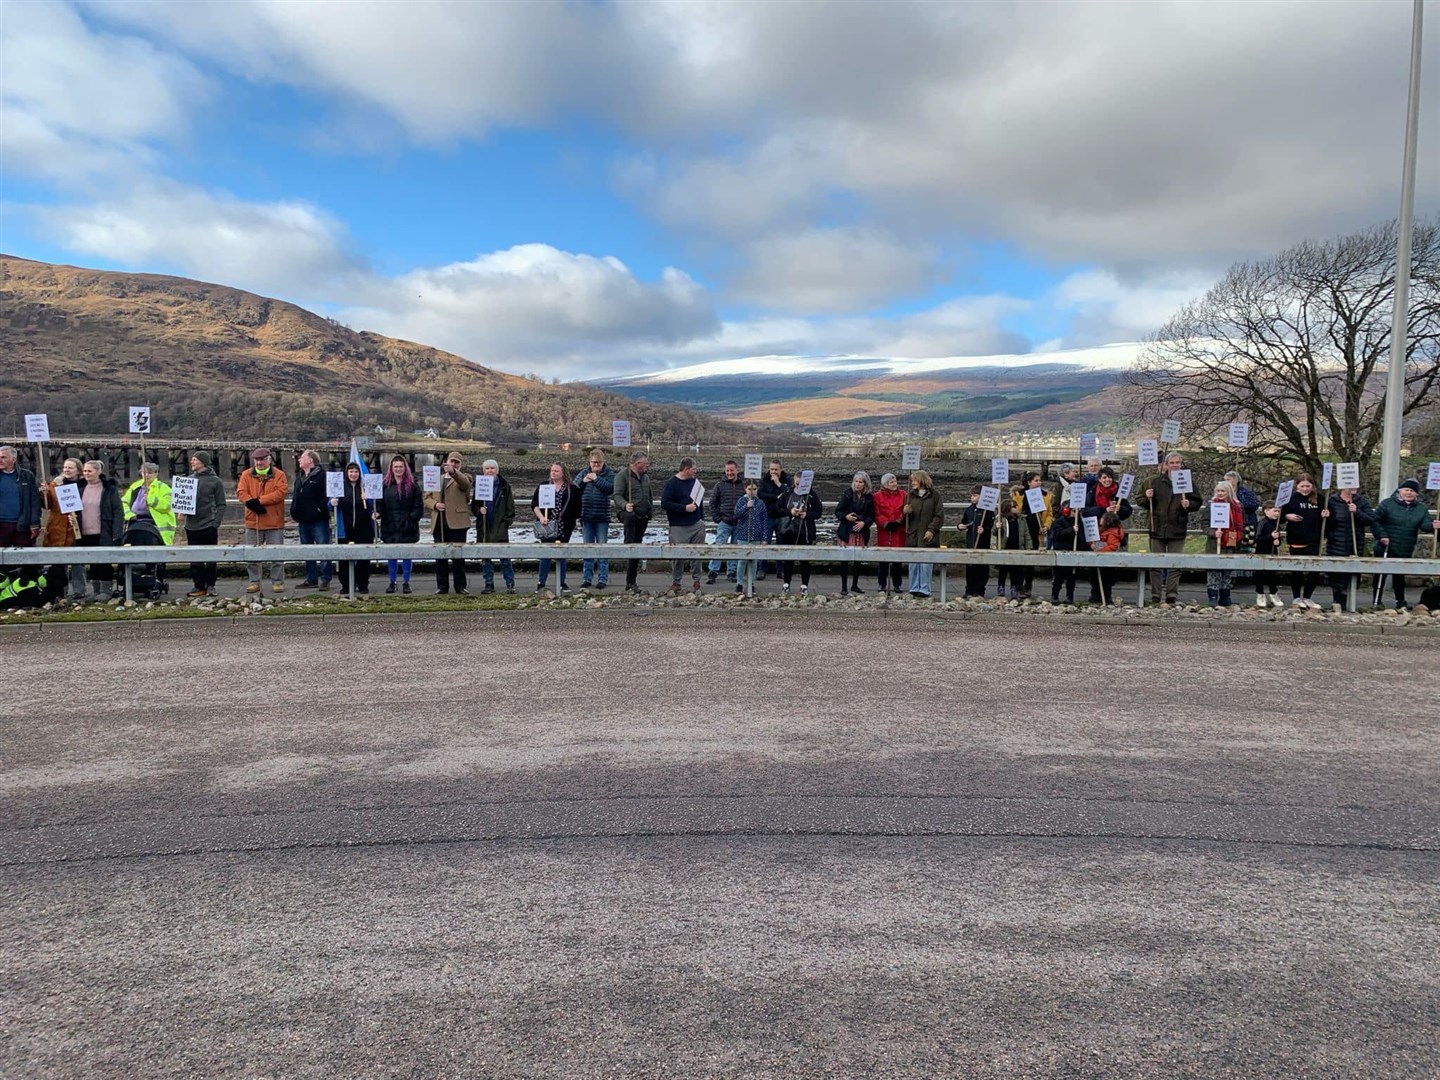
pixel 81 345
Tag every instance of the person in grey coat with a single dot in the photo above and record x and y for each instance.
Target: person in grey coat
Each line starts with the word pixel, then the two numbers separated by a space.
pixel 202 528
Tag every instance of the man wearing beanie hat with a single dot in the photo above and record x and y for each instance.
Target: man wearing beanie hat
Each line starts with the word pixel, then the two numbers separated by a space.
pixel 1398 522
pixel 202 528
pixel 261 490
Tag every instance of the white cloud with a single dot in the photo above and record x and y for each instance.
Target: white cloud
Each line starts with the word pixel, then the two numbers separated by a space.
pixel 833 270
pixel 1105 308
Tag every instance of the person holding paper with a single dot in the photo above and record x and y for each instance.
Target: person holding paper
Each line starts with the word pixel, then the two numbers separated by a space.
pixel 61 528
pixel 1105 498
pixel 357 517
pixel 1069 474
pixel 1112 539
pixel 261 489
pixel 1399 520
pixel 402 505
pixel 634 507
pixel 19 502
pixel 1169 521
pixel 1223 541
pixel 1250 504
pixel 1036 523
pixel 798 527
pixel 723 497
pixel 555 525
pixel 1303 523
pixel 310 510
pixel 493 518
pixel 775 487
pixel 979 526
pixel 752 526
pixel 890 530
pixel 595 485
pixel 1267 542
pixel 102 522
pixel 1350 515
pixel 202 528
pixel 924 518
pixel 687 521
pixel 854 514
pixel 450 507
pixel 149 497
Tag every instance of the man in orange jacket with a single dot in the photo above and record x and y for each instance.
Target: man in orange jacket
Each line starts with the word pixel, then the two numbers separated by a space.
pixel 261 491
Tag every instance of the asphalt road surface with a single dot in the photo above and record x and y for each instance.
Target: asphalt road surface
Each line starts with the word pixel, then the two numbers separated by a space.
pixel 676 845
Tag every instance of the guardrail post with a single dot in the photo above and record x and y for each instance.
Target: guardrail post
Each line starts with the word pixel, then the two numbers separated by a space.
pixel 351 567
pixel 129 589
pixel 1140 588
pixel 1353 597
pixel 943 579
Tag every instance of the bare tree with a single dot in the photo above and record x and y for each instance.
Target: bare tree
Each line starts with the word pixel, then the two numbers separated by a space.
pixel 1298 345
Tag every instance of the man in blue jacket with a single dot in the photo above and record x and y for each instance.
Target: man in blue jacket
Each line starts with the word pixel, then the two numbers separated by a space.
pixel 19 502
pixel 596 486
pixel 686 515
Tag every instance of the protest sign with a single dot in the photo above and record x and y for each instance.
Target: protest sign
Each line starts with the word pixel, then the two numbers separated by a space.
pixel 1347 474
pixel 1432 477
pixel 484 489
pixel 68 495
pixel 1170 432
pixel 754 466
pixel 1219 515
pixel 1078 493
pixel 1148 451
pixel 999 470
pixel 545 497
pixel 697 493
pixel 989 499
pixel 372 485
pixel 1089 443
pixel 910 459
pixel 37 427
pixel 1327 475
pixel 1092 529
pixel 619 432
pixel 804 481
pixel 334 485
pixel 430 478
pixel 1239 436
pixel 184 494
pixel 1109 448
pixel 1284 493
pixel 140 419
pixel 1181 482
pixel 1035 500
pixel 1127 484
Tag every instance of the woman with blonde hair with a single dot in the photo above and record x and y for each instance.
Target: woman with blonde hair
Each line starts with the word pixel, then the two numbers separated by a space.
pixel 924 518
pixel 855 513
pixel 63 530
pixel 1223 541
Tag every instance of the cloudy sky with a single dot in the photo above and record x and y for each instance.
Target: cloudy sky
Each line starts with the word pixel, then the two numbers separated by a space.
pixel 593 188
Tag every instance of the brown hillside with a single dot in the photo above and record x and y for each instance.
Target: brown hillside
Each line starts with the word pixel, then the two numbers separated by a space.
pixel 81 345
pixel 822 410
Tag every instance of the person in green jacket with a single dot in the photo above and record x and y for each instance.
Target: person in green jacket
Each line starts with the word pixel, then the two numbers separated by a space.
pixel 1399 521
pixel 149 497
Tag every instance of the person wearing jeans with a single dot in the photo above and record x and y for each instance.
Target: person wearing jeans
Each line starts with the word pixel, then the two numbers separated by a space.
pixel 727 492
pixel 493 518
pixel 311 512
pixel 595 486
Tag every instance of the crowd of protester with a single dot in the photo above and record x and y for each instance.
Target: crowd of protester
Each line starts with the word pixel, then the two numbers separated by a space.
pixel 774 508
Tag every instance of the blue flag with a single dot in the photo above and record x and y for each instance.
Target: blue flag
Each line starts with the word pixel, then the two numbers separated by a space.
pixel 369 505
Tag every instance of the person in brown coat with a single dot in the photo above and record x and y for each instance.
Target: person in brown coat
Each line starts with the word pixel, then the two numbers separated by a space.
pixel 61 530
pixel 450 507
pixel 261 491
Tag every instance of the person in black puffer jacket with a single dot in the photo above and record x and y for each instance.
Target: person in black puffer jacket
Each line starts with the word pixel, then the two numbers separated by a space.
pixel 854 515
pixel 401 507
pixel 1303 517
pixel 1350 515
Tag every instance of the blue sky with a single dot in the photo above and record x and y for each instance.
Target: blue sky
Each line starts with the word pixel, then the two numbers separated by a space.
pixel 585 189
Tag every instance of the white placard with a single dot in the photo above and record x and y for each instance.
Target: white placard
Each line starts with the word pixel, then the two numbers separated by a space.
pixel 1035 500
pixel 139 419
pixel 1219 515
pixel 804 481
pixel 754 466
pixel 1092 529
pixel 989 499
pixel 1089 443
pixel 619 432
pixel 1327 474
pixel 1148 451
pixel 37 427
pixel 1432 477
pixel 1181 482
pixel 184 494
pixel 697 493
pixel 1170 432
pixel 1239 436
pixel 910 459
pixel 1127 485
pixel 430 478
pixel 484 489
pixel 1109 448
pixel 545 497
pixel 1078 491
pixel 1284 493
pixel 999 470
pixel 372 486
pixel 68 496
pixel 1347 474
pixel 334 485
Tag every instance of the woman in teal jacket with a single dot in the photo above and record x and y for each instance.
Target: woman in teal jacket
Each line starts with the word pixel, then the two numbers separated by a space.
pixel 1398 523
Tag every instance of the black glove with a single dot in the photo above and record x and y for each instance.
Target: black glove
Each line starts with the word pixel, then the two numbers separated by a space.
pixel 255 506
pixel 892 526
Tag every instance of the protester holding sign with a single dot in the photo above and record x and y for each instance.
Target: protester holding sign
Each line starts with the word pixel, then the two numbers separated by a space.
pixel 924 518
pixel 634 507
pixel 1304 518
pixel 798 527
pixel 1035 513
pixel 61 528
pixel 494 514
pixel 149 498
pixel 310 508
pixel 555 522
pixel 356 517
pixel 402 505
pixel 1250 504
pixel 450 507
pixel 202 528
pixel 1112 539
pixel 1350 515
pixel 979 526
pixel 1267 542
pixel 686 517
pixel 1223 539
pixel 890 530
pixel 19 502
pixel 854 514
pixel 595 485
pixel 1399 521
pixel 261 489
pixel 1107 496
pixel 775 488
pixel 102 522
pixel 1169 519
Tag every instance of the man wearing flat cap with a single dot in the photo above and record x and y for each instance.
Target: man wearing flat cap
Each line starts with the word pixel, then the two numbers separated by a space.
pixel 261 491
pixel 450 507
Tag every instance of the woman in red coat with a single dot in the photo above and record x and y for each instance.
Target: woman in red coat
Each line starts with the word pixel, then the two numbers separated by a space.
pixel 890 529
